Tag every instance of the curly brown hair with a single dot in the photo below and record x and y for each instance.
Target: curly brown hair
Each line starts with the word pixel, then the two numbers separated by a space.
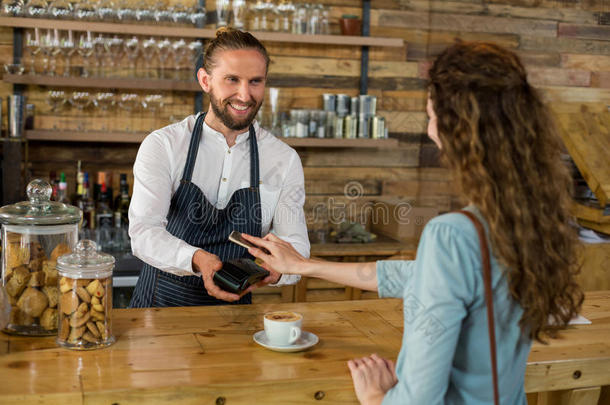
pixel 502 146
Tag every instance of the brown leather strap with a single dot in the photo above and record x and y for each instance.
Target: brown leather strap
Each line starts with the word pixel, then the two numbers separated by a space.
pixel 486 265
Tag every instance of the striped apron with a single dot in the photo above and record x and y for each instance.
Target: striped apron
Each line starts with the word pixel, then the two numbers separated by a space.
pixel 196 221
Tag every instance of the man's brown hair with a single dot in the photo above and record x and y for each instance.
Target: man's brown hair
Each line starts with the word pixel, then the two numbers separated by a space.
pixel 231 39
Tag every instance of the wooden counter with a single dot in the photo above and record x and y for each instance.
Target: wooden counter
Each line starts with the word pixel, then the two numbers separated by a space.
pixel 205 355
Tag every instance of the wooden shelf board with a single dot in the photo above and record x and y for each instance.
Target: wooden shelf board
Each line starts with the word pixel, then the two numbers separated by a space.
pixel 383 246
pixel 129 137
pixel 104 82
pixel 81 136
pixel 341 143
pixel 187 32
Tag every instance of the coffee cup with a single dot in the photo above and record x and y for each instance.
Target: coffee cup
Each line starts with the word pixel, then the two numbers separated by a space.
pixel 282 328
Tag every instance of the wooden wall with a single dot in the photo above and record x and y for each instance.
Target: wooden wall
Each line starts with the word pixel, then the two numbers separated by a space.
pixel 565 49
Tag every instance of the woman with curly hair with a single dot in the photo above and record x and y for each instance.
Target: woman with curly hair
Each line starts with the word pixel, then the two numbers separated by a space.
pixel 499 142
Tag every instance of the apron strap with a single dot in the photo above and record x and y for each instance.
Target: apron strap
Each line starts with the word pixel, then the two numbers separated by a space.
pixel 254 169
pixel 193 148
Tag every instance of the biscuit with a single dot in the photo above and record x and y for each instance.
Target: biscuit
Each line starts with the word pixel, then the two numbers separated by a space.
pixel 33 302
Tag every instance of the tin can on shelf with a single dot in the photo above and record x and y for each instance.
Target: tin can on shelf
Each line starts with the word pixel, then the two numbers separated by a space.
pixel 85 303
pixel 34 234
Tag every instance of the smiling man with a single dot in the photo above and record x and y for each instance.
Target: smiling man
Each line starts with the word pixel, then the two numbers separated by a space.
pixel 212 173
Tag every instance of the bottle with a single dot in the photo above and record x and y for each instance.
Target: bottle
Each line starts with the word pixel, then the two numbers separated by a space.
pixel 79 182
pixel 62 194
pixel 87 206
pixel 54 185
pixel 103 216
pixel 122 200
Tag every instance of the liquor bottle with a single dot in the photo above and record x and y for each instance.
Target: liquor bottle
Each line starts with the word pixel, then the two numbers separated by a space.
pixel 87 206
pixel 54 185
pixel 79 181
pixel 62 194
pixel 103 215
pixel 121 203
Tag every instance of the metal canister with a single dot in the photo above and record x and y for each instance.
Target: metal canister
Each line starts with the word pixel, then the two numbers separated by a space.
pixel 354 110
pixel 368 105
pixel 16 115
pixel 351 127
pixel 339 125
pixel 330 102
pixel 378 127
pixel 364 126
pixel 343 105
pixel 331 116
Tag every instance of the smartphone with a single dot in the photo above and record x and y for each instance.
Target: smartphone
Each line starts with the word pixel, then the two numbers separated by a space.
pixel 236 238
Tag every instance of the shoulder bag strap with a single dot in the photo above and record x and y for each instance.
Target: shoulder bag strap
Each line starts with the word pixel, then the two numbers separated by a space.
pixel 486 265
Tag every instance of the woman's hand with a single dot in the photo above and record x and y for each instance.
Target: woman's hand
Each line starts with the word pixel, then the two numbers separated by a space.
pixel 373 376
pixel 281 256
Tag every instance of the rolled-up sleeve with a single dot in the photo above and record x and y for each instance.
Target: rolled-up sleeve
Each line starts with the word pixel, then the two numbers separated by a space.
pixel 289 218
pixel 393 277
pixel 152 193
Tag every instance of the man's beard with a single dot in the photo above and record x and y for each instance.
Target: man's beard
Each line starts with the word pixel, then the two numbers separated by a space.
pixel 222 111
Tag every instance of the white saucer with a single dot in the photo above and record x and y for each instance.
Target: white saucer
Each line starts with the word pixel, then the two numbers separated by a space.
pixel 306 341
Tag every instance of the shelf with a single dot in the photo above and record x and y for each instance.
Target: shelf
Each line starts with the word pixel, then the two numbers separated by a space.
pixel 137 137
pixel 186 32
pixel 104 82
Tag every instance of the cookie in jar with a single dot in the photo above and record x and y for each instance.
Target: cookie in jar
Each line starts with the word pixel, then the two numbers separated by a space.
pixel 34 234
pixel 85 298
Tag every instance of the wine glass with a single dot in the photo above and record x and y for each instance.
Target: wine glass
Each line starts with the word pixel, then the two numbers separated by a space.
pixel 126 11
pixel 60 9
pixel 11 8
pixel 46 47
pixel 106 10
pixel 129 102
pixel 104 102
pixel 286 10
pixel 56 99
pixel 85 50
pixel 239 13
pixel 195 47
pixel 162 13
pixel 179 50
pixel 36 8
pixel 32 47
pixel 144 12
pixel 180 14
pixel 152 103
pixel 80 99
pixel 163 52
pixel 67 48
pixel 132 49
pixel 222 12
pixel 55 49
pixel 197 16
pixel 149 49
pixel 99 51
pixel 114 48
pixel 85 11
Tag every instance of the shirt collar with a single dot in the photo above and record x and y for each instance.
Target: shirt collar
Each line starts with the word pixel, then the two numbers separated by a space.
pixel 243 137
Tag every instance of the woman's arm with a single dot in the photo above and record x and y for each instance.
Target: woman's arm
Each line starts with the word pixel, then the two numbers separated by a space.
pixel 283 258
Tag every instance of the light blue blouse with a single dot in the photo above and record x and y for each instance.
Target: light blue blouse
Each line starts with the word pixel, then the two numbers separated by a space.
pixel 445 356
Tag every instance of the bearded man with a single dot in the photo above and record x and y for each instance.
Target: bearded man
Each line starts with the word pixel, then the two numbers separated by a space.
pixel 212 173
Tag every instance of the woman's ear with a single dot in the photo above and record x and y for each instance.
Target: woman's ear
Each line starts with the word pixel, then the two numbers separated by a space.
pixel 204 79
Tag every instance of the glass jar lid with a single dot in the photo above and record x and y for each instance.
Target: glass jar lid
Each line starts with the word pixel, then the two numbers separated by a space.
pixel 85 262
pixel 39 210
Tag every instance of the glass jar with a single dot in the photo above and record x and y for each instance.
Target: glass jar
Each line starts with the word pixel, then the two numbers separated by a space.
pixel 34 234
pixel 85 303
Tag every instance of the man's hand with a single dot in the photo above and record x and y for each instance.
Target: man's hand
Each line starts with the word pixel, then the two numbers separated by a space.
pixel 206 264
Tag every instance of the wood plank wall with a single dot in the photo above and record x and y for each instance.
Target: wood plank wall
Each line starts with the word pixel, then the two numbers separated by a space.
pixel 563 44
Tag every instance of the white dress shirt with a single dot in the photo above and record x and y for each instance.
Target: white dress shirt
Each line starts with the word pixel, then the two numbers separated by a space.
pixel 219 171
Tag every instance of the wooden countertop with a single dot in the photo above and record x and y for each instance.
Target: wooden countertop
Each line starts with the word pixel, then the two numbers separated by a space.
pixel 206 355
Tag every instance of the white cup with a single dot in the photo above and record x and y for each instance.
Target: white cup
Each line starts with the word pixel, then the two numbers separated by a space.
pixel 282 328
